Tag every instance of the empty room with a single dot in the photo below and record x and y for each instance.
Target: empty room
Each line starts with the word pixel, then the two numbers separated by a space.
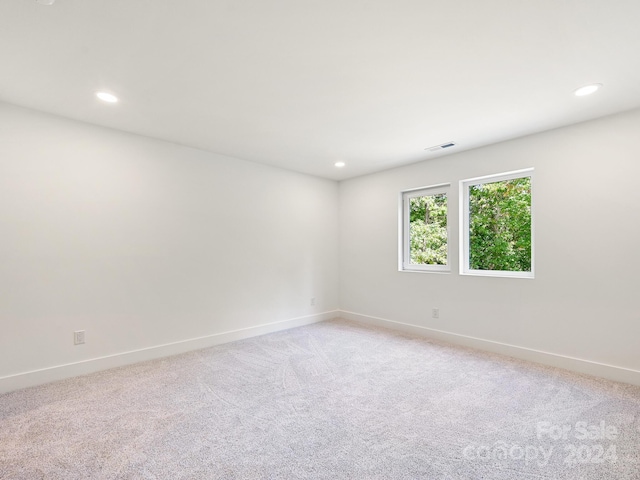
pixel 280 239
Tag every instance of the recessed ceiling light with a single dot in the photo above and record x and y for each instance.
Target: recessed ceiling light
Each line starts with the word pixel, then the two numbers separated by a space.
pixel 587 90
pixel 339 164
pixel 107 97
pixel 46 2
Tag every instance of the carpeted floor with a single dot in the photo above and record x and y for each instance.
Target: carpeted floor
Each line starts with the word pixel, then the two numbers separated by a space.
pixel 334 400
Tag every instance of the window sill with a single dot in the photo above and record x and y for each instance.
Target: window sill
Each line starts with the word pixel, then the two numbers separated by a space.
pixel 411 270
pixel 497 273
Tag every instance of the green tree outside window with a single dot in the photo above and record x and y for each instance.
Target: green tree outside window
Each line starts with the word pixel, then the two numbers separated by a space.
pixel 500 225
pixel 428 230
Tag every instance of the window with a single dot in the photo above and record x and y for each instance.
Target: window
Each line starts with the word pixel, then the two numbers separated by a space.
pixel 496 223
pixel 424 234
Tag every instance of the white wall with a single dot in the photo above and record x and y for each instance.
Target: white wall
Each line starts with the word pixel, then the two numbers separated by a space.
pixel 583 302
pixel 143 243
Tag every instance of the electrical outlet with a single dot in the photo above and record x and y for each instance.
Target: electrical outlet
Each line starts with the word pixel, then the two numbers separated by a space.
pixel 435 313
pixel 312 302
pixel 78 337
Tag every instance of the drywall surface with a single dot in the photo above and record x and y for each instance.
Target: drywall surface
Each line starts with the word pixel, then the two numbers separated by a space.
pixel 583 302
pixel 142 243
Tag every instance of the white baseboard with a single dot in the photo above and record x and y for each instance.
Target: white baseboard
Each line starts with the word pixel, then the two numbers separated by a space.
pixel 60 372
pixel 611 372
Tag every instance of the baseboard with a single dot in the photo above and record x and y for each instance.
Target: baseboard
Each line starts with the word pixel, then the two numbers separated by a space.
pixel 610 372
pixel 60 372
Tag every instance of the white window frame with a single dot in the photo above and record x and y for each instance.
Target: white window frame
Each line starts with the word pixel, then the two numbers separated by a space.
pixel 464 223
pixel 404 241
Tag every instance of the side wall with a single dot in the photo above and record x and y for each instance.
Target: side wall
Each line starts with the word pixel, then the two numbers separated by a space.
pixel 150 247
pixel 579 312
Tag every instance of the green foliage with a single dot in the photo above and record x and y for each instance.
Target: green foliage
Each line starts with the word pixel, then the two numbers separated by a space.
pixel 428 230
pixel 500 226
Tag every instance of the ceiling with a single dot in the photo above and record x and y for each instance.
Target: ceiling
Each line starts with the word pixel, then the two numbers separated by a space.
pixel 303 84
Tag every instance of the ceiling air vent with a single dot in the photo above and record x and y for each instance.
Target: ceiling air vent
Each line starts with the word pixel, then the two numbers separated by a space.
pixel 442 146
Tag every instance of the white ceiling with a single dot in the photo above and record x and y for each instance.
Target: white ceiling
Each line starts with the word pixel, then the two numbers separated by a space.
pixel 302 84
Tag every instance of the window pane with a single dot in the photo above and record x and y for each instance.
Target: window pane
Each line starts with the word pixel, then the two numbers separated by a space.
pixel 428 230
pixel 500 225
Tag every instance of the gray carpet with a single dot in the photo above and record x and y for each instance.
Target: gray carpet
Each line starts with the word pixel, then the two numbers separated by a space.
pixel 334 400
